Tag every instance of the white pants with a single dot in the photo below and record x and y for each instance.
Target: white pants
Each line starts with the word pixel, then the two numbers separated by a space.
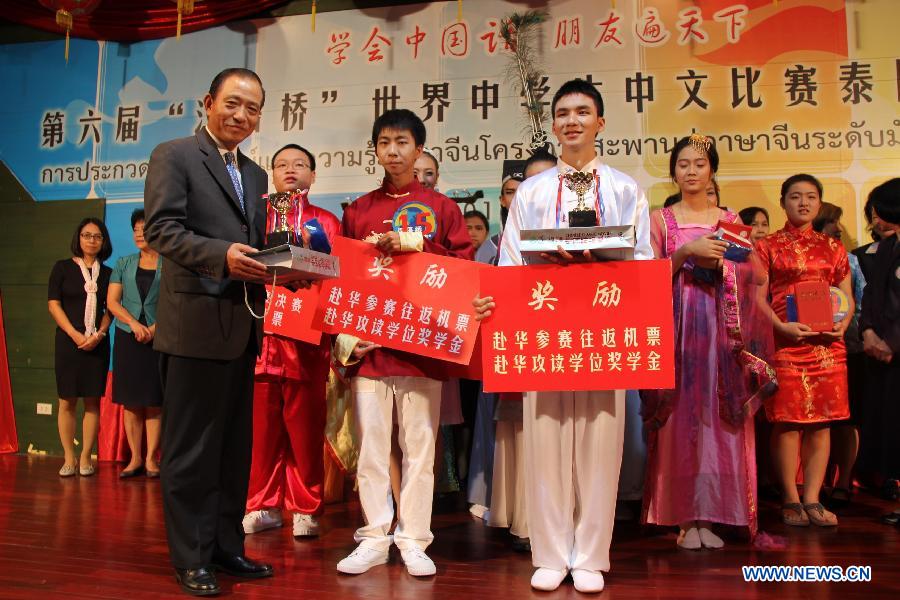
pixel 508 498
pixel 418 406
pixel 573 451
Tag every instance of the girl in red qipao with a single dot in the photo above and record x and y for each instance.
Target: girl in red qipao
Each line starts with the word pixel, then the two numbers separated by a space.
pixel 811 367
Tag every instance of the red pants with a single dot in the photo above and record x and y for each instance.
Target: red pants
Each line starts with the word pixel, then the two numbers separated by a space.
pixel 288 444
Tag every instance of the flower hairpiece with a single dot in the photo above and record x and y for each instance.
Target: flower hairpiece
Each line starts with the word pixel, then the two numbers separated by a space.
pixel 700 143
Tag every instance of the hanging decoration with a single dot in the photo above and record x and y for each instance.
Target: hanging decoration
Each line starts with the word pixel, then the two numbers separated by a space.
pixel 521 32
pixel 185 8
pixel 459 11
pixel 66 11
pixel 313 12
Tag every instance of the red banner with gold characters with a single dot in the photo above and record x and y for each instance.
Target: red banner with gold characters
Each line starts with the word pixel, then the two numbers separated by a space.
pixel 591 326
pixel 412 301
pixel 290 314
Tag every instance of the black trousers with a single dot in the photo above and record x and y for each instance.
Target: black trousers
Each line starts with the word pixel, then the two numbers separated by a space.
pixel 207 434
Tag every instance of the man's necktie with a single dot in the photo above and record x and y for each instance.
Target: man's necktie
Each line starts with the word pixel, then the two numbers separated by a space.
pixel 231 165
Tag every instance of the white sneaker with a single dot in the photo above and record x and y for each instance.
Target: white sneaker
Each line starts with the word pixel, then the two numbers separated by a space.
pixel 260 520
pixel 417 562
pixel 588 582
pixel 361 560
pixel 305 525
pixel 547 579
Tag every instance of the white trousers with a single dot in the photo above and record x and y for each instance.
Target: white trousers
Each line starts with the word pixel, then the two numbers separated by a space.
pixel 418 407
pixel 573 451
pixel 508 498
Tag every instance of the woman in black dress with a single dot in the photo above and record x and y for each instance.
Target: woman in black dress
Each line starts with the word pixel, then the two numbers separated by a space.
pixel 133 293
pixel 77 302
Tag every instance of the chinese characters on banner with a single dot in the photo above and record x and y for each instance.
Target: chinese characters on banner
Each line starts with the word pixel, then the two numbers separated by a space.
pixel 412 301
pixel 290 314
pixel 594 326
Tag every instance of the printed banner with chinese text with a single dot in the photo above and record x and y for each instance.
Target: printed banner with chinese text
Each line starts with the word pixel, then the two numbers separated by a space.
pixel 292 313
pixel 412 301
pixel 592 326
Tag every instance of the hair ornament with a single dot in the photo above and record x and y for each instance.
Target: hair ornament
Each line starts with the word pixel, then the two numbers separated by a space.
pixel 700 143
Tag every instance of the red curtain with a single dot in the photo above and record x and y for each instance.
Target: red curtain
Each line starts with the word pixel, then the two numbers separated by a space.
pixel 111 442
pixel 9 441
pixel 136 20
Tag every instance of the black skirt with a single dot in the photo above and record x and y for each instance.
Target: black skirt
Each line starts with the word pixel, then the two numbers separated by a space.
pixel 80 374
pixel 136 380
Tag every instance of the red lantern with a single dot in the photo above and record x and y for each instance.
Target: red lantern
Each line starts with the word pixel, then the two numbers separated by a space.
pixel 66 10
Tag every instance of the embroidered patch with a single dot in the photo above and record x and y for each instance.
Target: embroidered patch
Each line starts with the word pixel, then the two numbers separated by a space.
pixel 416 216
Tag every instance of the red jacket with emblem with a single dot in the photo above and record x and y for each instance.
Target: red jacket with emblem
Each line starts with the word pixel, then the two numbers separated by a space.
pixel 411 208
pixel 284 358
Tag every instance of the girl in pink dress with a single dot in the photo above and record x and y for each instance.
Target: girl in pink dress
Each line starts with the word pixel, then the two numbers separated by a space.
pixel 701 465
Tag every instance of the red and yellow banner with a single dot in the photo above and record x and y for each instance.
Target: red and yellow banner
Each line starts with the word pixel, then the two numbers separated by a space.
pixel 290 314
pixel 411 301
pixel 596 326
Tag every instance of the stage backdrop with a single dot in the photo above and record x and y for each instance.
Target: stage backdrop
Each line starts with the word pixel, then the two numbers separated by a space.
pixel 783 87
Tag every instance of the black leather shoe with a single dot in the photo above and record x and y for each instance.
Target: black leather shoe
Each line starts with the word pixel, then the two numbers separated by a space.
pixel 520 544
pixel 892 518
pixel 241 566
pixel 197 582
pixel 132 473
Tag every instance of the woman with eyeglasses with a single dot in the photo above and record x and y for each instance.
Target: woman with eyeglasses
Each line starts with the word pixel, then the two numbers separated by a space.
pixel 76 297
pixel 133 293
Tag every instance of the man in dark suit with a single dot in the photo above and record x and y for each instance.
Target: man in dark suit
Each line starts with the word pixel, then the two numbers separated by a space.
pixel 204 213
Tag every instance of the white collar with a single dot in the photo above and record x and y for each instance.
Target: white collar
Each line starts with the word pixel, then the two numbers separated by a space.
pixel 564 167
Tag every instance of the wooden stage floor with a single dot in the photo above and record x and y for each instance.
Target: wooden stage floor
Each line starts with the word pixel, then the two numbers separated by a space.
pixel 101 538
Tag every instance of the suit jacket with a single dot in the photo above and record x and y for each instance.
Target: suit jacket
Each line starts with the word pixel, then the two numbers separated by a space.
pixel 125 273
pixel 192 216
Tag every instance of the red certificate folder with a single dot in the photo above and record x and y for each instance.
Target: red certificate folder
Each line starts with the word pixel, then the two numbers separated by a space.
pixel 814 305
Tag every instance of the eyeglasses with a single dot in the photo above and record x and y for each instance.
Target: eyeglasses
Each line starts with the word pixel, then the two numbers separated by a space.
pixel 298 165
pixel 92 237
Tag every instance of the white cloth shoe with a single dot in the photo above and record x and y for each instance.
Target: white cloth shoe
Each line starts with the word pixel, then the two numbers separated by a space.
pixel 588 582
pixel 361 560
pixel 690 539
pixel 260 520
pixel 710 540
pixel 547 579
pixel 417 562
pixel 477 510
pixel 305 525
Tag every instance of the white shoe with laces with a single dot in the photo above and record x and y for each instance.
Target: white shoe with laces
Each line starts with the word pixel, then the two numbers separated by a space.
pixel 260 520
pixel 417 562
pixel 361 560
pixel 588 582
pixel 305 525
pixel 547 579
